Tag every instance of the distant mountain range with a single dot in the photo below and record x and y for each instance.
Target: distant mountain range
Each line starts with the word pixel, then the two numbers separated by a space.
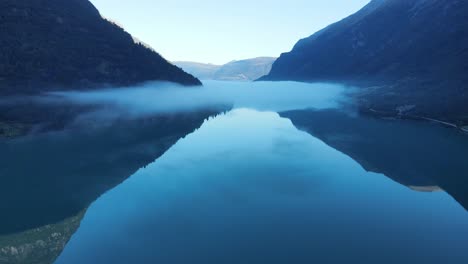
pixel 242 70
pixel 58 44
pixel 411 55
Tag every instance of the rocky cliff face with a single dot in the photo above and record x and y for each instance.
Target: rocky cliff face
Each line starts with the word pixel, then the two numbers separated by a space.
pixel 56 44
pixel 417 49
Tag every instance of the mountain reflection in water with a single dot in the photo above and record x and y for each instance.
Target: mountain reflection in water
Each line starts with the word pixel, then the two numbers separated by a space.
pixel 422 156
pixel 249 187
pixel 268 183
pixel 47 180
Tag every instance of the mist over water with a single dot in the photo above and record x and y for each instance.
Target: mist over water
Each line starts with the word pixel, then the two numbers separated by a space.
pixel 258 183
pixel 249 187
pixel 158 97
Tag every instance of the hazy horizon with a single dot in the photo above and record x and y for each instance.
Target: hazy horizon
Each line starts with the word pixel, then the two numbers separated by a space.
pixel 218 32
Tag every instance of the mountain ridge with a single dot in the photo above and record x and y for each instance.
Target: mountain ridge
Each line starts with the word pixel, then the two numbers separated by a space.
pixel 388 48
pixel 236 70
pixel 52 44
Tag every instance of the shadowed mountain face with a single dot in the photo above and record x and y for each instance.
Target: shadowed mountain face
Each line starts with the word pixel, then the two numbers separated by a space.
pixel 47 178
pixel 419 155
pixel 242 70
pixel 55 44
pixel 416 49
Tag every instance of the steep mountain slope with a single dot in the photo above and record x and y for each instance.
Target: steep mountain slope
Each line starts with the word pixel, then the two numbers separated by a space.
pixel 242 70
pixel 56 44
pixel 416 49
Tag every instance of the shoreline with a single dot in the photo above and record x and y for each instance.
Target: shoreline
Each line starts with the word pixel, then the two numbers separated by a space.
pixel 382 114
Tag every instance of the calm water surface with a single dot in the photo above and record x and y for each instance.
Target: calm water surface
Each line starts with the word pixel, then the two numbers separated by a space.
pixel 249 187
pixel 285 176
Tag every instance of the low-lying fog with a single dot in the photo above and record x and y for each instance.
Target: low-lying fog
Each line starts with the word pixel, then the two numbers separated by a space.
pixel 158 97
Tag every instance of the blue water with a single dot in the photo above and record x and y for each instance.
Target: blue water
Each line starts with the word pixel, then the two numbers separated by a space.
pixel 250 187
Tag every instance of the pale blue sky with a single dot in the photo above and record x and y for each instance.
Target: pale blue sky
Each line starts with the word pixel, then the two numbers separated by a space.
pixel 217 31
